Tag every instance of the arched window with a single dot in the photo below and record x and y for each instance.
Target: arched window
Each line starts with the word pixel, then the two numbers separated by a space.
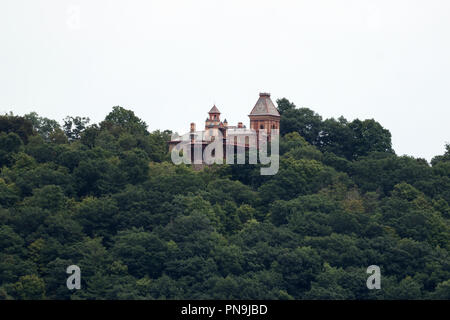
pixel 261 126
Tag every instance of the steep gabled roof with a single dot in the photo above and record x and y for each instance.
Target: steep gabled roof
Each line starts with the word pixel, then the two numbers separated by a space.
pixel 214 110
pixel 264 106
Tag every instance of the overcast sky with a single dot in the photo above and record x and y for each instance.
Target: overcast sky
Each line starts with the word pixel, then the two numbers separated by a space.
pixel 170 61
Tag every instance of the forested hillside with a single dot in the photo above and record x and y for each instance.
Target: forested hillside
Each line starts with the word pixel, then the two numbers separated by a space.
pixel 106 197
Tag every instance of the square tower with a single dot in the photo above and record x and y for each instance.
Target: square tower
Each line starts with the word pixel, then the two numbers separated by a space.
pixel 264 114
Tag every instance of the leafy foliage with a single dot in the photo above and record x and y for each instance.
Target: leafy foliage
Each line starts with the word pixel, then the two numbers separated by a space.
pixel 107 198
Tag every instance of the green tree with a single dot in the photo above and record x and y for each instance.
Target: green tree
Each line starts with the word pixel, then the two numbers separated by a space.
pixel 9 145
pixel 121 119
pixel 74 127
pixel 43 126
pixel 18 125
pixel 30 287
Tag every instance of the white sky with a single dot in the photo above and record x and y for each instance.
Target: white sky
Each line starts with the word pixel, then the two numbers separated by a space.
pixel 170 61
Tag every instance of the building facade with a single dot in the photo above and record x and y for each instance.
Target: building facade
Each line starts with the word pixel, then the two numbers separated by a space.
pixel 263 116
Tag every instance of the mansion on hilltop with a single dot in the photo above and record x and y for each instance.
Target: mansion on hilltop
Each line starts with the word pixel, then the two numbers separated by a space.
pixel 263 116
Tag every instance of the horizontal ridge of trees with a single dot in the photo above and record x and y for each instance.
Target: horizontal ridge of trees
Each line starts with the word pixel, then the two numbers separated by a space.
pixel 107 198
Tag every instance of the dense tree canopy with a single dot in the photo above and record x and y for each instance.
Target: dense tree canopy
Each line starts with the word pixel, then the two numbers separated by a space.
pixel 107 198
pixel 350 140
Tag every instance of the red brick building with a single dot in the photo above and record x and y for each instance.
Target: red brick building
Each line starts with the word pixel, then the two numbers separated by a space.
pixel 263 116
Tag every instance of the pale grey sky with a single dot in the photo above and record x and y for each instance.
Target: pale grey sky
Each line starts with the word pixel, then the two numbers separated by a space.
pixel 170 61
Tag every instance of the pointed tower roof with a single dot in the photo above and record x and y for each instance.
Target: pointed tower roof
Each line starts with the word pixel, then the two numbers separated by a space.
pixel 214 110
pixel 264 106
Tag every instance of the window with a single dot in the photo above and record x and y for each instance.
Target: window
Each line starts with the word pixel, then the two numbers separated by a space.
pixel 261 126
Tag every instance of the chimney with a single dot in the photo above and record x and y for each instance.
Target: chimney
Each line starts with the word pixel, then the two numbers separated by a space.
pixel 264 94
pixel 240 125
pixel 192 127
